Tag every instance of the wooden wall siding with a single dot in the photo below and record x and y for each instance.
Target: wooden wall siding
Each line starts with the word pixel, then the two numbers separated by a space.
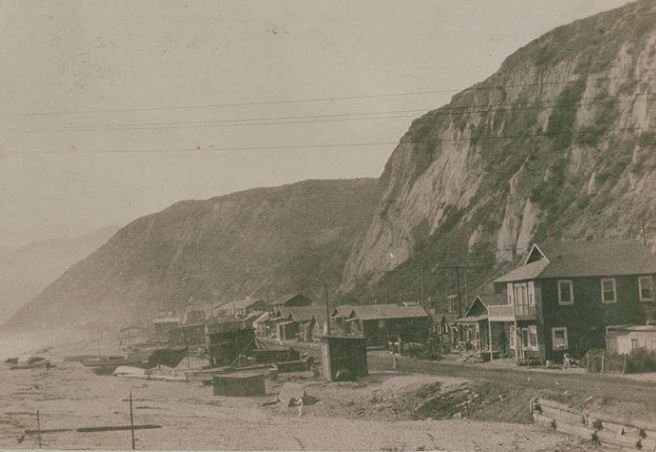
pixel 587 318
pixel 410 330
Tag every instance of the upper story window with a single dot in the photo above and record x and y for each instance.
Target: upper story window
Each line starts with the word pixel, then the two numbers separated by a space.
pixel 565 292
pixel 646 287
pixel 608 290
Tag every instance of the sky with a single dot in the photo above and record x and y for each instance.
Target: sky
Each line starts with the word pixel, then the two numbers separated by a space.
pixel 114 110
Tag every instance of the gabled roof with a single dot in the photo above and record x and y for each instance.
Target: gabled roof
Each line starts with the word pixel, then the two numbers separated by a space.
pixel 580 259
pixel 492 299
pixel 342 310
pixel 305 313
pixel 239 304
pixel 449 317
pixel 485 299
pixel 287 297
pixel 387 311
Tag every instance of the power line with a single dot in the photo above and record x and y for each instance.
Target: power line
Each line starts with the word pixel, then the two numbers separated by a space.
pixel 322 99
pixel 305 119
pixel 213 148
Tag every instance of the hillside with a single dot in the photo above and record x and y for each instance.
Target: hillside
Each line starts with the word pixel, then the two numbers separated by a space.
pixel 559 143
pixel 259 242
pixel 27 270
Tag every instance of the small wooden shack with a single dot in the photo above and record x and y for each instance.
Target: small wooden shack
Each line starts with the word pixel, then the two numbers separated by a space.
pixel 239 384
pixel 228 340
pixel 344 353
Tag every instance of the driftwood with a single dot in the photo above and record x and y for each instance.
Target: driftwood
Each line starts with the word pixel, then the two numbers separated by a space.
pixel 93 429
pixel 117 428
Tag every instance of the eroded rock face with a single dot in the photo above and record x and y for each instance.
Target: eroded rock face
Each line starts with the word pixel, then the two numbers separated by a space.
pixel 559 143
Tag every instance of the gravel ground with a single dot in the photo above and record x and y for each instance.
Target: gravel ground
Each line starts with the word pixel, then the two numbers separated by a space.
pixel 71 396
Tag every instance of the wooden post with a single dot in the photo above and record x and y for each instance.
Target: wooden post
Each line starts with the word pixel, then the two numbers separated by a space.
pixel 132 422
pixel 489 327
pixel 516 341
pixel 603 362
pixel 325 294
pixel 38 427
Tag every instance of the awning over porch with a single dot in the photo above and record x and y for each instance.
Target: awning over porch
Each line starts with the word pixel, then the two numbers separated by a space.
pixel 472 319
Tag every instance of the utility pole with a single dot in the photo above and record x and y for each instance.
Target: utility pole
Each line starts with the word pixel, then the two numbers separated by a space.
pixel 421 290
pixel 325 295
pixel 132 422
pixel 38 427
pixel 457 269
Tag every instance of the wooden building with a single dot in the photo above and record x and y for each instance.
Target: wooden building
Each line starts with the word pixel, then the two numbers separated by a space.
pixel 290 300
pixel 228 340
pixel 311 321
pixel 133 335
pixel 382 323
pixel 164 324
pixel 189 335
pixel 624 339
pixel 346 354
pixel 241 308
pixel 565 295
pixel 473 329
pixel 200 312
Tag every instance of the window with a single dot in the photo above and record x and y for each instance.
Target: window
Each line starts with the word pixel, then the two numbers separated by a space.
pixel 646 287
pixel 533 336
pixel 524 337
pixel 608 290
pixel 635 345
pixel 559 338
pixel 510 290
pixel 531 293
pixel 565 292
pixel 512 337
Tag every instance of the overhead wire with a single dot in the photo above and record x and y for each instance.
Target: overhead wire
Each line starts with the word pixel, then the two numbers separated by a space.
pixel 337 117
pixel 213 148
pixel 320 99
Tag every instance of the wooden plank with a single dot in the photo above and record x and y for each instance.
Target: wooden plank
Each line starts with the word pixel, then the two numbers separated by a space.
pixel 557 405
pixel 577 430
pixel 48 430
pixel 116 428
pixel 649 427
pixel 563 416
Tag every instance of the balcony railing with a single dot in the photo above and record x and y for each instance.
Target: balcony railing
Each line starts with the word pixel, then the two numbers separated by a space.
pixel 510 313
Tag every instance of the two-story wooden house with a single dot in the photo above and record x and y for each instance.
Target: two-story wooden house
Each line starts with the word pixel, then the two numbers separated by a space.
pixel 566 294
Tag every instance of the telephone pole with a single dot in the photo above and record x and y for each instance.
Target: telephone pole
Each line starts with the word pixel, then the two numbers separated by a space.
pixel 325 295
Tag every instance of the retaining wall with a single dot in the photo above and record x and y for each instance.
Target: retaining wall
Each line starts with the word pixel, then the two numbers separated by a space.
pixel 617 433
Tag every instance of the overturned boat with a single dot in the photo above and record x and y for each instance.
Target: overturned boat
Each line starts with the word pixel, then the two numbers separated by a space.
pixel 32 362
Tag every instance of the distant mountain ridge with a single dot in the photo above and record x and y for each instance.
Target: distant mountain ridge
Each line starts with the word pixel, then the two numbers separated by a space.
pixel 261 243
pixel 27 270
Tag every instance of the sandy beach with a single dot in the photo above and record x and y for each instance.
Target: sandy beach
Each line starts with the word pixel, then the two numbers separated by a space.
pixel 343 416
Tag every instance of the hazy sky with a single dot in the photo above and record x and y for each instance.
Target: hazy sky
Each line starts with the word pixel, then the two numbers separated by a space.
pixel 92 93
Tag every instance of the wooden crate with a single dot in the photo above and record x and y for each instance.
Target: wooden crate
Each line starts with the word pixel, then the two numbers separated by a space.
pixel 239 384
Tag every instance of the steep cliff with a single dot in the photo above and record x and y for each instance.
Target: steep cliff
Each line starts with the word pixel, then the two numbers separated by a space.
pixel 559 143
pixel 260 242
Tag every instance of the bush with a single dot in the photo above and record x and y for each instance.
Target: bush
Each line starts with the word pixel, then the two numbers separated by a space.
pixel 641 360
pixel 637 361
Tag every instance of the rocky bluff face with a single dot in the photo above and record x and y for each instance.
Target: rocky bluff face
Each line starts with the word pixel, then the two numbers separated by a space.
pixel 559 143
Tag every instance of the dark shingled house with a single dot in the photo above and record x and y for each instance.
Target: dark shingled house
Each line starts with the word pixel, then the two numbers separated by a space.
pixel 566 294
